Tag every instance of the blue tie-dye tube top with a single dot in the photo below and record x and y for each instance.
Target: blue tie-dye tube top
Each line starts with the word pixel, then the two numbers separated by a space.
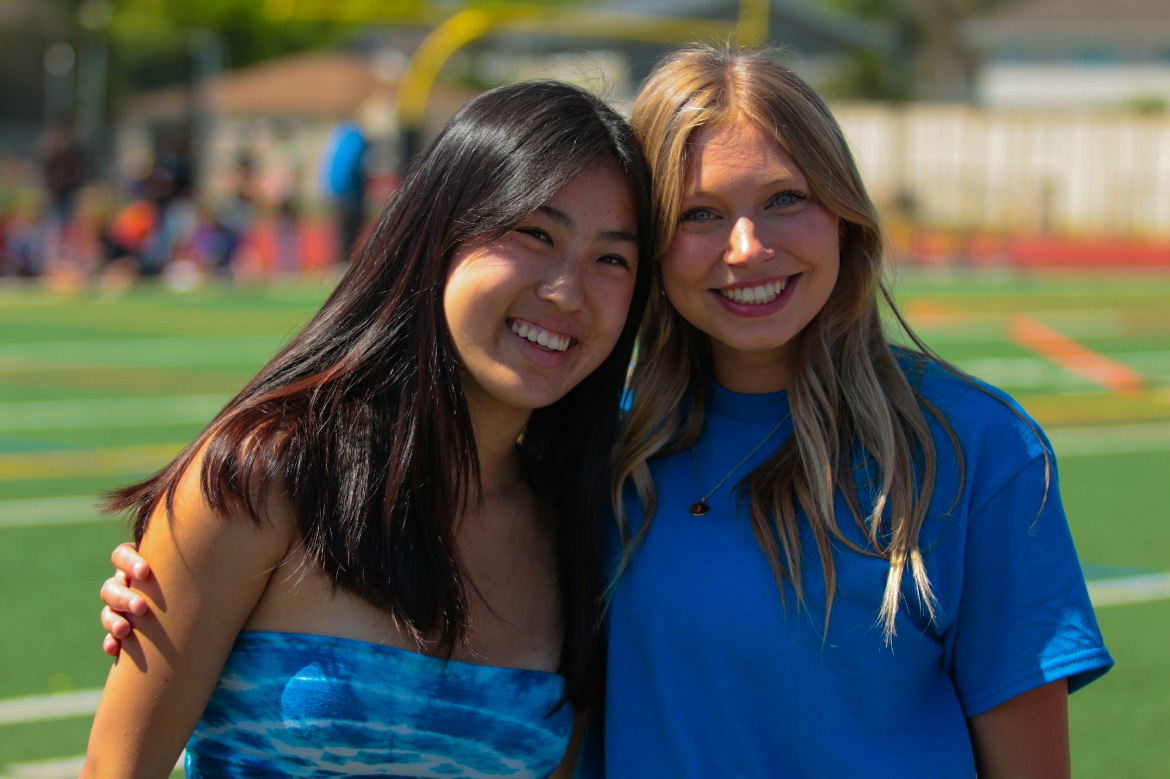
pixel 291 704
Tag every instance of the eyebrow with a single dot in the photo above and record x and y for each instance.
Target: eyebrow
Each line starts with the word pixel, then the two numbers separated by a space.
pixel 794 179
pixel 566 221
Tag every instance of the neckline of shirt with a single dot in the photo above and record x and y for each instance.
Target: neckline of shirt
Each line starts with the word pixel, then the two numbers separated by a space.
pixel 764 407
pixel 385 650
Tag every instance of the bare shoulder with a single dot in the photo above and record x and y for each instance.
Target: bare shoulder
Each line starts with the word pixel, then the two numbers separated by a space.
pixel 194 522
pixel 210 568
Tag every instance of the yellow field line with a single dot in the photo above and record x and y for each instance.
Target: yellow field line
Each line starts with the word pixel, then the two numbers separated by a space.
pixel 73 463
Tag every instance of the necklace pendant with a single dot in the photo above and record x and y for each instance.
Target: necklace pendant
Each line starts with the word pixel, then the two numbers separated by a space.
pixel 699 509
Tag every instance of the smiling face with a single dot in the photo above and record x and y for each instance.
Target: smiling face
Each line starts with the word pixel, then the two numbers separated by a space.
pixel 536 311
pixel 754 257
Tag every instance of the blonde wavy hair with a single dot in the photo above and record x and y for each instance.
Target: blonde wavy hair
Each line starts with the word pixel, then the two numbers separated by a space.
pixel 848 393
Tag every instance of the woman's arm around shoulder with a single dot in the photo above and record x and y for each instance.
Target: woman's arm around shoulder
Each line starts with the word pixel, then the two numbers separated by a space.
pixel 209 571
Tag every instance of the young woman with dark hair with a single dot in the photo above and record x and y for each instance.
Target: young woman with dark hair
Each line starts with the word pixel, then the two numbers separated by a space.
pixel 381 557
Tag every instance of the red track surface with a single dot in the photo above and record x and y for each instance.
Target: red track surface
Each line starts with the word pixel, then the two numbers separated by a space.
pixel 1032 251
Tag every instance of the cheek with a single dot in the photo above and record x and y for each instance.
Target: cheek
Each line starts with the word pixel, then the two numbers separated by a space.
pixel 821 238
pixel 683 274
pixel 452 307
pixel 692 256
pixel 460 305
pixel 610 311
pixel 614 310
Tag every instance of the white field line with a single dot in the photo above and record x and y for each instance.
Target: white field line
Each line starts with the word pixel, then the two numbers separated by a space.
pixel 46 707
pixel 960 326
pixel 1029 372
pixel 1130 589
pixel 108 412
pixel 230 351
pixel 31 512
pixel 1110 439
pixel 63 768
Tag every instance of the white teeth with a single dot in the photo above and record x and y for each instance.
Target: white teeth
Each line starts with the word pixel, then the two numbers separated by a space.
pixel 550 341
pixel 757 295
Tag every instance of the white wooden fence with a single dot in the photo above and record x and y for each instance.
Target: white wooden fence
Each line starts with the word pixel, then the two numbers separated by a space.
pixel 1013 171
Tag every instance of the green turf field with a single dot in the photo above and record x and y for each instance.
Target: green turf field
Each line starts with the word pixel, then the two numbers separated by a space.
pixel 96 390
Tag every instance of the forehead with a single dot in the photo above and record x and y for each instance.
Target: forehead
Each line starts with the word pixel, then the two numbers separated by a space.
pixel 603 192
pixel 736 149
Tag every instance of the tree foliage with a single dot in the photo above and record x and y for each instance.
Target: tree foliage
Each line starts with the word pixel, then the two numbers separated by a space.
pixel 154 39
pixel 937 60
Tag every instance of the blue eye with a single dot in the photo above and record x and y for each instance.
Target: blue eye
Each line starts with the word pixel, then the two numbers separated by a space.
pixel 697 215
pixel 789 199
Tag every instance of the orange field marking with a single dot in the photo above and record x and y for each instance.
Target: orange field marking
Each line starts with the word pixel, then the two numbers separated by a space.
pixel 927 314
pixel 1074 357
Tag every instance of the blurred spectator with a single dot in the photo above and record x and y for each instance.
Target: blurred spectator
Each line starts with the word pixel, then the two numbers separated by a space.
pixel 125 240
pixel 231 220
pixel 64 172
pixel 280 189
pixel 175 217
pixel 344 180
pixel 157 225
pixel 19 255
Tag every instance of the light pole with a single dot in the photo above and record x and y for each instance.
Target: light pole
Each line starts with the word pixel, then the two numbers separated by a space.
pixel 93 16
pixel 59 64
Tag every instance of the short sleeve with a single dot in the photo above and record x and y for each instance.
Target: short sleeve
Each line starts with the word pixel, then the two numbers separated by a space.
pixel 1024 617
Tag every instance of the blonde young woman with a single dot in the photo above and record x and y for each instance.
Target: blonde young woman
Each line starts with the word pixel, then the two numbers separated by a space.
pixel 833 556
pixel 840 558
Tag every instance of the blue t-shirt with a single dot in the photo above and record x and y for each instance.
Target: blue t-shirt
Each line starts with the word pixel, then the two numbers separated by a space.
pixel 342 162
pixel 710 674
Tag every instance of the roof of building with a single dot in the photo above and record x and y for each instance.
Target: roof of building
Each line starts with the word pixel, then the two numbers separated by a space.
pixel 313 85
pixel 1045 23
pixel 1083 10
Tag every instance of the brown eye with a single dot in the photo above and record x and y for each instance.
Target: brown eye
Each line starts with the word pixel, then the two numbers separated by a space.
pixel 615 259
pixel 535 232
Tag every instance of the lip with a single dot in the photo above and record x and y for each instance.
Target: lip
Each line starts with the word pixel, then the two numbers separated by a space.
pixel 763 309
pixel 544 358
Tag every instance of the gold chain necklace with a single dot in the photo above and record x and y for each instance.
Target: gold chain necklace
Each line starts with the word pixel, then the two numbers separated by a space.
pixel 701 508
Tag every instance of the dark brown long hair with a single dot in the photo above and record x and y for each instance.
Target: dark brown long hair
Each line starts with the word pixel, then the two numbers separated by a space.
pixel 361 420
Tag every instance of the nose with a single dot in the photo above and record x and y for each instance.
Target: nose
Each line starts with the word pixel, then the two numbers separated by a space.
pixel 745 248
pixel 563 284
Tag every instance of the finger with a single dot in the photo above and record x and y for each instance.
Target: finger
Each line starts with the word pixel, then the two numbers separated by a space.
pixel 114 623
pixel 119 597
pixel 111 646
pixel 127 559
